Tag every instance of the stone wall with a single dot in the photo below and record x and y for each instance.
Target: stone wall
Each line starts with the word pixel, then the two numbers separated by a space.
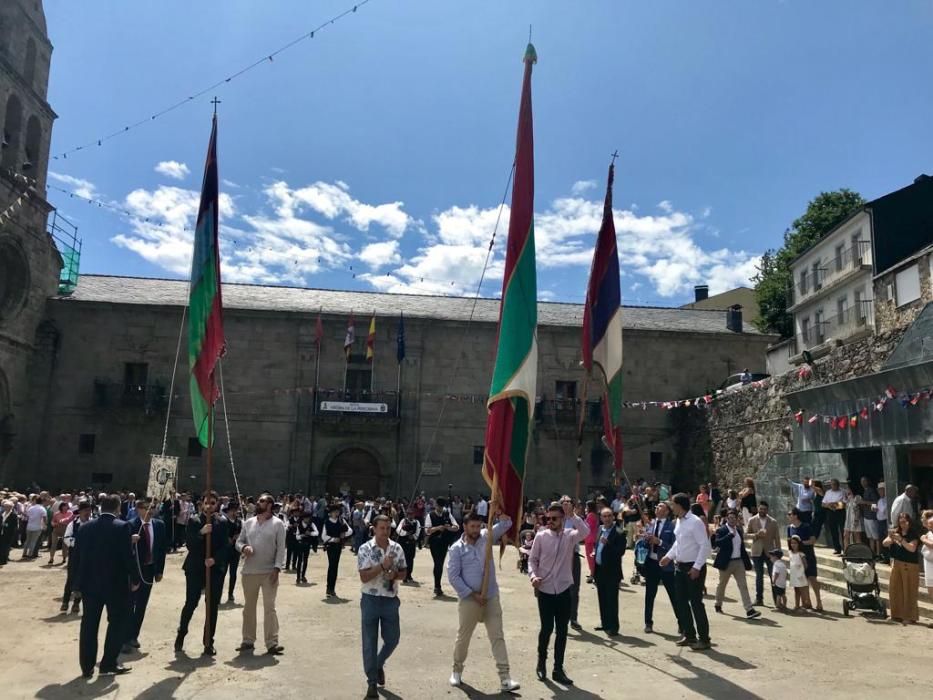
pixel 748 426
pixel 888 315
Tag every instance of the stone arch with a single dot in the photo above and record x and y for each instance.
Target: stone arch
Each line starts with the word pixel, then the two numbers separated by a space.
pixel 29 66
pixel 12 133
pixel 31 153
pixel 14 278
pixel 356 468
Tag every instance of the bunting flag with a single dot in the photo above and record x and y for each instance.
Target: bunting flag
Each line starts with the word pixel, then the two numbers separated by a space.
pixel 206 344
pixel 318 331
pixel 602 326
pixel 350 339
pixel 371 340
pixel 400 339
pixel 514 381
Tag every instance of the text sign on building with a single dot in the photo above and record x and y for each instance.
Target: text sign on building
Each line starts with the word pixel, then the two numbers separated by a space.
pixel 354 407
pixel 430 469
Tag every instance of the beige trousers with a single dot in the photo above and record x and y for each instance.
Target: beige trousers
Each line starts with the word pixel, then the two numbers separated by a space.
pixel 471 613
pixel 737 570
pixel 252 584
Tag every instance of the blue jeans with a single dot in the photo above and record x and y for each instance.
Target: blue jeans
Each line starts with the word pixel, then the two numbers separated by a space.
pixel 376 610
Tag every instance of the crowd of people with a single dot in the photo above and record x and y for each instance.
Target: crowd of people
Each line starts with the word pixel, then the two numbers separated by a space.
pixel 114 549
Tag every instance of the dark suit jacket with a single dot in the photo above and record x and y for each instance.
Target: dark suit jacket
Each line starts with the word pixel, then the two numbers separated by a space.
pixel 666 536
pixel 159 543
pixel 611 554
pixel 10 528
pixel 722 540
pixel 105 565
pixel 221 548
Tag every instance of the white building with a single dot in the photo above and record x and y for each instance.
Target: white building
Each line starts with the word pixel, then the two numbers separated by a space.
pixel 832 288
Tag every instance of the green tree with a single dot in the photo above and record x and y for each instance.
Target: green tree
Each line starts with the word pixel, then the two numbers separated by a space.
pixel 773 281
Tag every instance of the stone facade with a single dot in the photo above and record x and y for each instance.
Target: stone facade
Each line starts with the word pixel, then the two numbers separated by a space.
pixel 29 262
pixel 747 427
pixel 889 312
pixel 281 439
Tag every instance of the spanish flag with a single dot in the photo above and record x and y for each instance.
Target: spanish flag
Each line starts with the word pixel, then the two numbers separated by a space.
pixel 371 340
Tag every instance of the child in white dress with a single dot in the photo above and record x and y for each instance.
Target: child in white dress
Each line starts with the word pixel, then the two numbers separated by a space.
pixel 798 576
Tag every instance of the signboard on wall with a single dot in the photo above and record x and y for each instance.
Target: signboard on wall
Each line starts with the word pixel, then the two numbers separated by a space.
pixel 162 471
pixel 430 469
pixel 354 407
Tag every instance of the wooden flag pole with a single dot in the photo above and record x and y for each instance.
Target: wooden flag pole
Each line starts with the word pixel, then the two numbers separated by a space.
pixel 210 519
pixel 586 383
pixel 490 517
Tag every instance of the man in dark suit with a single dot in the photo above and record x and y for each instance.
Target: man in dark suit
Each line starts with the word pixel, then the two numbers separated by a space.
pixel 610 546
pixel 106 575
pixel 149 542
pixel 732 560
pixel 660 537
pixel 206 524
pixel 9 527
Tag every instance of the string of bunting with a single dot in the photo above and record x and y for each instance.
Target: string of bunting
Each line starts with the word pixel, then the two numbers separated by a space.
pixel 265 59
pixel 906 399
pixel 23 196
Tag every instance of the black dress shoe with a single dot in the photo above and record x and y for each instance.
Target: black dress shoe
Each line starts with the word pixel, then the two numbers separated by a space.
pixel 87 674
pixel 560 677
pixel 371 691
pixel 541 670
pixel 276 650
pixel 381 676
pixel 209 651
pixel 115 671
pixel 577 626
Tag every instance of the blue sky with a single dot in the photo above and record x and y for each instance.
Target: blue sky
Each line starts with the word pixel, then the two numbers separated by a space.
pixel 383 143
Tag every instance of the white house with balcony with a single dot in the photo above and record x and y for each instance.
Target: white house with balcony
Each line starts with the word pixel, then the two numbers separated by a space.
pixel 831 297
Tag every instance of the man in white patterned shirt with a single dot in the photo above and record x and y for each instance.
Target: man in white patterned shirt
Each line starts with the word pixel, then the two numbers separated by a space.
pixel 381 563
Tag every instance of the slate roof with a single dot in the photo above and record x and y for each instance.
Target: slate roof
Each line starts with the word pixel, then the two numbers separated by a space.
pixel 162 292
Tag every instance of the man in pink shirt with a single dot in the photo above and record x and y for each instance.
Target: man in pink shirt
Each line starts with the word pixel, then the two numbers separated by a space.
pixel 550 570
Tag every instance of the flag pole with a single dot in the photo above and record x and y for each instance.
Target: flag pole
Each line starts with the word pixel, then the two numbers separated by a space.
pixel 494 498
pixel 372 362
pixel 207 537
pixel 586 384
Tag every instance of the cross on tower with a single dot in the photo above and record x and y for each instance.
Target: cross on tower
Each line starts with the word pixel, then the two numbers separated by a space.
pixel 215 102
pixel 615 154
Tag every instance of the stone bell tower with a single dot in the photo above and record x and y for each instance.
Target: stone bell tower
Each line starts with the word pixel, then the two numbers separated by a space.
pixel 30 260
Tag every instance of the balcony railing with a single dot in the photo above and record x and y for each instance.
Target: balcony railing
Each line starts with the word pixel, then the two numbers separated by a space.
pixel 566 412
pixel 840 264
pixel 151 398
pixel 839 326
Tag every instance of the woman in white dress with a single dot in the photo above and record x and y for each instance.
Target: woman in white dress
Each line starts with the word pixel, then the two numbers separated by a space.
pixel 927 552
pixel 852 532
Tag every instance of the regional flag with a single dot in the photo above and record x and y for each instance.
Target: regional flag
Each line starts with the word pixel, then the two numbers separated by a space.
pixel 371 340
pixel 512 392
pixel 206 343
pixel 350 338
pixel 602 326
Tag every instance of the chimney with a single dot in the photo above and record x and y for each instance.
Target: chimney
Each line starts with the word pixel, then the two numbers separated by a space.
pixel 700 292
pixel 734 318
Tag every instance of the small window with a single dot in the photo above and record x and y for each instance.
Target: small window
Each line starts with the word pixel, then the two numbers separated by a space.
pixel 803 282
pixel 805 330
pixel 564 390
pixel 478 452
pixel 359 379
pixel 135 376
pixel 907 284
pixel 840 255
pixel 817 277
pixel 657 461
pixel 86 443
pixel 194 447
pixel 29 66
pixel 101 477
pixel 842 309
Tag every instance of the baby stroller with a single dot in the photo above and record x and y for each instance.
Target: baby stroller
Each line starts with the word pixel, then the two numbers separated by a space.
pixel 864 593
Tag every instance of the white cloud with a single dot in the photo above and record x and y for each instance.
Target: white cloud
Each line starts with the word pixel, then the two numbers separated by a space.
pixel 665 206
pixel 173 169
pixel 378 255
pixel 582 186
pixel 80 187
pixel 706 212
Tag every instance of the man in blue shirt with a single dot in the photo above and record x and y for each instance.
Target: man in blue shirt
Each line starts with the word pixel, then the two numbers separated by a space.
pixel 466 565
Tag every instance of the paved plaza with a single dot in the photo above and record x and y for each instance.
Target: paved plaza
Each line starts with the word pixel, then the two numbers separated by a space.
pixel 777 656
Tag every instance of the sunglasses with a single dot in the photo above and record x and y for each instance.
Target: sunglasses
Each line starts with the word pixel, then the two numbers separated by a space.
pixel 555 518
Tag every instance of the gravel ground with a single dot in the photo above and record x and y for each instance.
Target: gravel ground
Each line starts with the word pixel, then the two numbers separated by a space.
pixel 778 656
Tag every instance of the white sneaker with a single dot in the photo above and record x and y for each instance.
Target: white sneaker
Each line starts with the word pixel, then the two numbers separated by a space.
pixel 508 685
pixel 455 679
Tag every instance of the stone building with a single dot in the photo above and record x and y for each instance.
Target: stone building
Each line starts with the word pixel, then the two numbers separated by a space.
pixel 30 261
pixel 100 395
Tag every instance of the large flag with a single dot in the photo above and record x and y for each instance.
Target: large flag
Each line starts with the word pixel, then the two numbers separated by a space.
pixel 350 338
pixel 371 340
pixel 512 393
pixel 602 326
pixel 206 342
pixel 400 339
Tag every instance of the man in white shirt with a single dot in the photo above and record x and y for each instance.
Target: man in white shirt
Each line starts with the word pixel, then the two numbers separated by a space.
pixel 262 544
pixel 36 517
pixel 902 504
pixel 834 501
pixel 690 551
pixel 381 563
pixel 482 506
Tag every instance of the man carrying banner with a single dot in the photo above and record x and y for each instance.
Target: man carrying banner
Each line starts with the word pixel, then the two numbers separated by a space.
pixel 465 571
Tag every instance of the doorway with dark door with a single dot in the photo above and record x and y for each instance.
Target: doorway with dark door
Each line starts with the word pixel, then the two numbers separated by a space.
pixel 355 471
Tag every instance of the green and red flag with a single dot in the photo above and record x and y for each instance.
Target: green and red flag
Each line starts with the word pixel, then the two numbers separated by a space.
pixel 602 326
pixel 512 393
pixel 206 344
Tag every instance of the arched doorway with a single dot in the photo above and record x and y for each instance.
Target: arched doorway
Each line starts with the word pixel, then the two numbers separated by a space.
pixel 354 470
